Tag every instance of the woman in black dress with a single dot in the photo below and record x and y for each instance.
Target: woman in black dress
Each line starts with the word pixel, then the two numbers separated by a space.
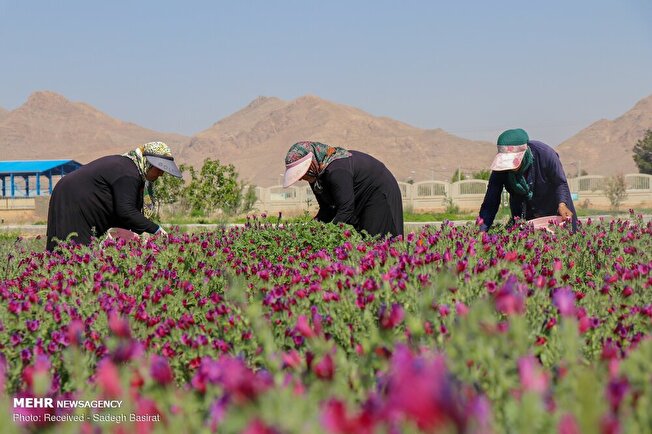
pixel 350 186
pixel 108 192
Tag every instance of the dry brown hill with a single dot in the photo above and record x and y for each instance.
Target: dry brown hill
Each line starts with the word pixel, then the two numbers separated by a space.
pixel 605 147
pixel 256 138
pixel 50 126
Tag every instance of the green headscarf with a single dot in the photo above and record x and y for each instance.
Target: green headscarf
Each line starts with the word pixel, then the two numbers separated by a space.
pixel 516 179
pixel 509 142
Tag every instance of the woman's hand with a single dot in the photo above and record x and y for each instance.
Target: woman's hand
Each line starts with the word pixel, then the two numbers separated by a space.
pixel 564 212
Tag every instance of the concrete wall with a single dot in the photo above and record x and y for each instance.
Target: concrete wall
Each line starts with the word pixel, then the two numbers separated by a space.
pixel 467 195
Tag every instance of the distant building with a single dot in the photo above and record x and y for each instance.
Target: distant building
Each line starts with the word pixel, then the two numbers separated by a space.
pixel 31 178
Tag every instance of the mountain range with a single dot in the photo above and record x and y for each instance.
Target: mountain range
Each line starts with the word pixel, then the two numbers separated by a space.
pixel 256 138
pixel 606 147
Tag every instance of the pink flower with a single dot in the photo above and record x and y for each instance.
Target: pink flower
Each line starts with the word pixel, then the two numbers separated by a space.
pixel 556 264
pixel 335 419
pixel 3 371
pixel 325 369
pixel 461 309
pixel 532 376
pixel 511 256
pixel 478 408
pixel 258 427
pixel 303 327
pixel 119 325
pixel 146 407
pixel 75 332
pixel 291 359
pixel 107 378
pixel 584 324
pixel 609 350
pixel 509 300
pixel 233 375
pixel 420 389
pixel 568 425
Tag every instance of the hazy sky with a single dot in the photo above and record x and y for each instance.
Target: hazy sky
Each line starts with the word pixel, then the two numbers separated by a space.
pixel 471 67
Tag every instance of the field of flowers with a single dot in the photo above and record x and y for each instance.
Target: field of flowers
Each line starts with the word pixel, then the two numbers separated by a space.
pixel 308 328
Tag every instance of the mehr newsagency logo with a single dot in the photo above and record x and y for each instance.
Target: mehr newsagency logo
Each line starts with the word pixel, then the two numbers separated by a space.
pixel 50 403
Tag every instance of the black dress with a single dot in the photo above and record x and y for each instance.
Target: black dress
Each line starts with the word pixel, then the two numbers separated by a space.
pixel 361 191
pixel 105 193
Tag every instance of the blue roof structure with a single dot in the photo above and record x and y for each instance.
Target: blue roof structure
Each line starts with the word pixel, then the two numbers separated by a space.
pixel 26 169
pixel 37 166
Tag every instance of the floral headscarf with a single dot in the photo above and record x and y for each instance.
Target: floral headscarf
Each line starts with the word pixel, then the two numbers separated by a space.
pixel 324 154
pixel 137 156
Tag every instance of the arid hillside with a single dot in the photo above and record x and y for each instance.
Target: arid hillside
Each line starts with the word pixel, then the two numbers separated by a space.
pixel 50 126
pixel 256 138
pixel 605 147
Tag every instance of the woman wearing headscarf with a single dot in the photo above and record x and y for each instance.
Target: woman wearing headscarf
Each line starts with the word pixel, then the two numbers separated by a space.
pixel 532 174
pixel 350 186
pixel 108 192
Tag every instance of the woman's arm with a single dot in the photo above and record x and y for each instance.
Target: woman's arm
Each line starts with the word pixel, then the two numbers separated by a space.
pixel 326 210
pixel 491 201
pixel 339 183
pixel 126 192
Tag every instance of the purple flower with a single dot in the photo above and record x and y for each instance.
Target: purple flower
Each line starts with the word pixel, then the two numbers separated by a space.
pixel 616 391
pixel 564 300
pixel 15 339
pixel 390 318
pixel 32 325
pixel 160 370
pixel 509 300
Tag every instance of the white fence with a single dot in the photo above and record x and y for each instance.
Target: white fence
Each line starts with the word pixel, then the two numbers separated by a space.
pixel 424 196
pixel 467 195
